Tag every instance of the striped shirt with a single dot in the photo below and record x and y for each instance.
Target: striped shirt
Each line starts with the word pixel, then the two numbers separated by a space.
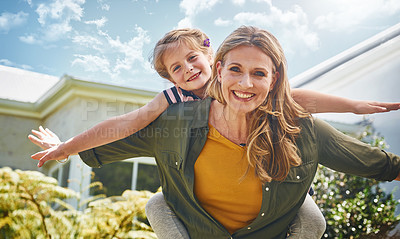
pixel 176 95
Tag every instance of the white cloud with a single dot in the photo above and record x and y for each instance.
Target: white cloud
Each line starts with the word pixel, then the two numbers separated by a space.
pixel 11 20
pixel 99 22
pixel 64 10
pixel 88 41
pixel 131 51
pixel 7 62
pixel 113 56
pixel 265 1
pixel 185 23
pixel 29 2
pixel 348 14
pixel 291 24
pixel 104 6
pixel 30 39
pixel 296 17
pixel 57 31
pixel 92 63
pixel 239 2
pixel 222 23
pixel 55 18
pixel 192 7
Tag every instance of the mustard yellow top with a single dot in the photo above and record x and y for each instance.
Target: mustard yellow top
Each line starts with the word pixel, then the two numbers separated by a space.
pixel 222 186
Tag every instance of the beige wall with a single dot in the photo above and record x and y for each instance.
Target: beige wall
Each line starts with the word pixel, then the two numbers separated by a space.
pixel 82 113
pixel 68 120
pixel 15 150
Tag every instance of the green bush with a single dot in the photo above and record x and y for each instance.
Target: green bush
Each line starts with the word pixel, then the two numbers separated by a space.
pixel 355 207
pixel 32 205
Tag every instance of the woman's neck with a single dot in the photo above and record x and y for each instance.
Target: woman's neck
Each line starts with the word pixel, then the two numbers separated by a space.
pixel 231 125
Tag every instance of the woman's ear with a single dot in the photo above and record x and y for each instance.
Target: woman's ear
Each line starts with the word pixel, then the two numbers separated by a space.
pixel 219 69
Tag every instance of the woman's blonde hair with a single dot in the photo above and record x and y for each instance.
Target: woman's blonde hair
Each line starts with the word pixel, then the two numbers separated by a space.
pixel 193 38
pixel 271 150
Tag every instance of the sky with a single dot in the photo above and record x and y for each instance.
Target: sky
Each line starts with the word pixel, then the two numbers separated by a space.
pixel 110 41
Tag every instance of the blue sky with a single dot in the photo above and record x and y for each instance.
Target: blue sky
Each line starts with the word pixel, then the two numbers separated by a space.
pixel 110 41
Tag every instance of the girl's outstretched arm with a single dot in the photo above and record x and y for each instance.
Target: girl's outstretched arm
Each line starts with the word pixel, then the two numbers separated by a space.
pixel 316 102
pixel 103 133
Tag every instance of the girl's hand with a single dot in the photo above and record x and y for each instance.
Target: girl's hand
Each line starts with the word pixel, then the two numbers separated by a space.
pixel 44 138
pixel 54 153
pixel 371 107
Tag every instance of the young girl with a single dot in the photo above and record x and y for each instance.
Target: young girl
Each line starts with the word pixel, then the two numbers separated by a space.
pixel 184 57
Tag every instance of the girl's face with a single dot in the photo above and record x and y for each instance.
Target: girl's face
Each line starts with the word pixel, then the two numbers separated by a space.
pixel 189 69
pixel 246 78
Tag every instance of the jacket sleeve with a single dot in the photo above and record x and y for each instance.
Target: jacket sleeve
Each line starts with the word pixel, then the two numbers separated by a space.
pixel 140 144
pixel 349 155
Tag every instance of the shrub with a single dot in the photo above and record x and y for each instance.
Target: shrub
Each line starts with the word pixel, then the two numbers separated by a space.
pixel 32 206
pixel 355 207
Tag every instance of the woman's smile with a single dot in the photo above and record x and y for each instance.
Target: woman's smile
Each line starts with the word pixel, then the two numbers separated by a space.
pixel 242 95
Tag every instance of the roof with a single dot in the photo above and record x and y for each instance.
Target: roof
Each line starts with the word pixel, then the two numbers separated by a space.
pixel 30 94
pixel 24 86
pixel 346 56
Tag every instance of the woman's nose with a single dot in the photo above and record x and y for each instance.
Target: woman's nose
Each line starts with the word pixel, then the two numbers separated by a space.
pixel 245 81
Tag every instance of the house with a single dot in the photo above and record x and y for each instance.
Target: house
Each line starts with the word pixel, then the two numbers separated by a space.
pixel 68 107
pixel 367 71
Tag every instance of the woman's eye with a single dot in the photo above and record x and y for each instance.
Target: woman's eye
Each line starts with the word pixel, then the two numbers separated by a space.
pixel 234 68
pixel 259 73
pixel 176 68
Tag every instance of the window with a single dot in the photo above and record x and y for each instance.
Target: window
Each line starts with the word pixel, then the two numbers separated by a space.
pixel 116 178
pixel 135 174
pixel 61 173
pixel 147 178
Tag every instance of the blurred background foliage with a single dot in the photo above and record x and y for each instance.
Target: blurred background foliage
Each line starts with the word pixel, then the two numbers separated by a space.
pixel 356 207
pixel 32 205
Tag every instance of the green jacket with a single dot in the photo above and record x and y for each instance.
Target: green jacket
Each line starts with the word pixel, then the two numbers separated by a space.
pixel 177 137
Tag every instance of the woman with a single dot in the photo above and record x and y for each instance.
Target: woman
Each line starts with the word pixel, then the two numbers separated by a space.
pixel 240 164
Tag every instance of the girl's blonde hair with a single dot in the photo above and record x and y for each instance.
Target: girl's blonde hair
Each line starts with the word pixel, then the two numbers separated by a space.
pixel 273 127
pixel 193 38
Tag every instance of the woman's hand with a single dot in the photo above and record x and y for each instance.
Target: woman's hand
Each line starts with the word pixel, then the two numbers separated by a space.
pixel 371 107
pixel 44 138
pixel 54 153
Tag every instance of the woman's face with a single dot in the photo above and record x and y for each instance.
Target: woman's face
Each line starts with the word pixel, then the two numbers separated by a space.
pixel 246 78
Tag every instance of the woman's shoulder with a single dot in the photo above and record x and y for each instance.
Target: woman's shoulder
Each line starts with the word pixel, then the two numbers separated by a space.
pixel 318 128
pixel 188 112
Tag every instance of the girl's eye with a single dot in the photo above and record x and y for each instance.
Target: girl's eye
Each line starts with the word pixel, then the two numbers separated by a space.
pixel 259 73
pixel 234 68
pixel 192 57
pixel 176 68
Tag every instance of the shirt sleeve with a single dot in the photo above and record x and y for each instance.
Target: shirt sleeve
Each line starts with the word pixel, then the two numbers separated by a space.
pixel 349 155
pixel 173 95
pixel 140 144
pixel 176 95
